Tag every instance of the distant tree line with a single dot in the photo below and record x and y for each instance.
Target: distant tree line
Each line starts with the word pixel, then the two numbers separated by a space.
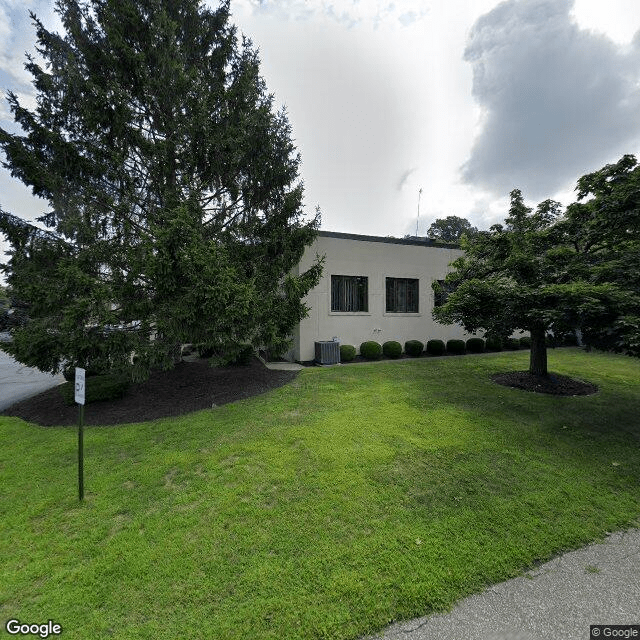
pixel 451 229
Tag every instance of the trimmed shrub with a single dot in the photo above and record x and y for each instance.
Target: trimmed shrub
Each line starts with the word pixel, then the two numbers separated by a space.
pixel 435 347
pixel 347 353
pixel 69 373
pixel 243 357
pixel 206 350
pixel 105 387
pixel 413 348
pixel 238 354
pixel 525 342
pixel 494 343
pixel 392 349
pixel 475 345
pixel 371 350
pixel 550 341
pixel 455 347
pixel 570 339
pixel 512 344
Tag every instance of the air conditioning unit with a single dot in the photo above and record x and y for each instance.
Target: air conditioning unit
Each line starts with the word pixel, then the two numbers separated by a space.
pixel 327 352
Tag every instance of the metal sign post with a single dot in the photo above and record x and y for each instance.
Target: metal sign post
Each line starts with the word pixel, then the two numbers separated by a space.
pixel 79 398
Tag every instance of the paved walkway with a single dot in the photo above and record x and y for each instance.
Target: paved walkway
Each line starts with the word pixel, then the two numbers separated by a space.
pixel 284 366
pixel 596 585
pixel 18 382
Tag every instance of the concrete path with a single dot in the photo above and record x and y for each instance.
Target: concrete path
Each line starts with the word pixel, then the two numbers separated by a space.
pixel 18 382
pixel 284 366
pixel 597 585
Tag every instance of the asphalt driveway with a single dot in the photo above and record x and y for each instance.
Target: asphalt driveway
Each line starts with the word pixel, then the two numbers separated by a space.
pixel 18 382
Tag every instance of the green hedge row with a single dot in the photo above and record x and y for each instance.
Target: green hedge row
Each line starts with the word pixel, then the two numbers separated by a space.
pixel 455 347
pixel 392 349
pixel 372 350
pixel 475 345
pixel 413 348
pixel 494 343
pixel 347 353
pixel 435 347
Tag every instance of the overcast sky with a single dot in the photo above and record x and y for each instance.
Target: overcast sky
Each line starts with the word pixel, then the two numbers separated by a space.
pixel 464 99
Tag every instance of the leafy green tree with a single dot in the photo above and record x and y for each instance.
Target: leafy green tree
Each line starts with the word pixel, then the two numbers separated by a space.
pixel 525 275
pixel 451 229
pixel 604 226
pixel 175 204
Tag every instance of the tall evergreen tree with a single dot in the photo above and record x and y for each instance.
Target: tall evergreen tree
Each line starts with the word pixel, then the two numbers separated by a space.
pixel 175 204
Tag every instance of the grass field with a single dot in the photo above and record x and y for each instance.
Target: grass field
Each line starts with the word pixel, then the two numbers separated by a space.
pixel 352 497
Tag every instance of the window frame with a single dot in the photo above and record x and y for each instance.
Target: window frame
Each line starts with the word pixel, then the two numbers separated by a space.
pixel 362 296
pixel 416 295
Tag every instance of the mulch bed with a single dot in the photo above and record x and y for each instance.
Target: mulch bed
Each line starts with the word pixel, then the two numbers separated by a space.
pixel 190 386
pixel 554 383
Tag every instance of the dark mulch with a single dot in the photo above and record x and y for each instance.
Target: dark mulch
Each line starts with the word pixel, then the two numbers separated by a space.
pixel 190 386
pixel 554 384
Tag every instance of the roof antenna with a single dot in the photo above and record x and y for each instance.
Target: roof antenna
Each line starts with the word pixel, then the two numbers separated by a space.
pixel 418 218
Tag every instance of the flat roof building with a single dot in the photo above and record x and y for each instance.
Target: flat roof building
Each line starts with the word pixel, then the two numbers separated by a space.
pixel 373 288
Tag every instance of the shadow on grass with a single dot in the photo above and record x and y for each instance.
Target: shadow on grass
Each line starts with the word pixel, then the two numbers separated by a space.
pixel 520 442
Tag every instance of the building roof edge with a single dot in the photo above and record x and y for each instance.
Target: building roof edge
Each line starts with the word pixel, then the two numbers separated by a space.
pixel 427 242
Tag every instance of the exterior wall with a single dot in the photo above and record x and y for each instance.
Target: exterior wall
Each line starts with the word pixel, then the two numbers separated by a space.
pixel 376 258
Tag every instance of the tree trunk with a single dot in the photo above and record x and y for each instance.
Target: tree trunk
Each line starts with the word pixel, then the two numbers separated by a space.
pixel 538 357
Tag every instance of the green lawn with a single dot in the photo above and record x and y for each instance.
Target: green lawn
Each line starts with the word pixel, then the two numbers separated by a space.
pixel 352 497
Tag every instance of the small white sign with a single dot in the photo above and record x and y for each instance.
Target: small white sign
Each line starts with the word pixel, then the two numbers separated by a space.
pixel 79 385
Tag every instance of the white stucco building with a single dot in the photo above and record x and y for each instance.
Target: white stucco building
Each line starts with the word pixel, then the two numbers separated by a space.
pixel 372 288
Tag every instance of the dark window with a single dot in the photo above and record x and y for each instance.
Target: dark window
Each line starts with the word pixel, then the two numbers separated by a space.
pixel 402 295
pixel 349 293
pixel 440 297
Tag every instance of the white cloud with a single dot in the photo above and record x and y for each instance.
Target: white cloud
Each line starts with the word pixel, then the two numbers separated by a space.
pixel 617 19
pixel 380 99
pixel 17 37
pixel 11 62
pixel 347 12
pixel 558 101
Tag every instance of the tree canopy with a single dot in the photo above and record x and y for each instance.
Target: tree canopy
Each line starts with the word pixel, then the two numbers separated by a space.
pixel 528 275
pixel 175 207
pixel 604 226
pixel 451 229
